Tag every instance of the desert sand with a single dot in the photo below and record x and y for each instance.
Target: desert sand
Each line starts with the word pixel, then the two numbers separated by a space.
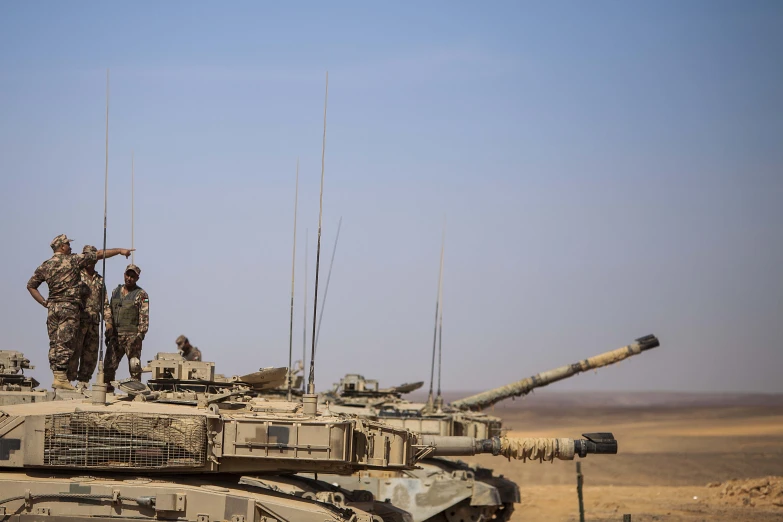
pixel 681 457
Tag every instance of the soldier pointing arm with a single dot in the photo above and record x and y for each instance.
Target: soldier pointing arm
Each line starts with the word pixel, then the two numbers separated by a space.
pixel 62 275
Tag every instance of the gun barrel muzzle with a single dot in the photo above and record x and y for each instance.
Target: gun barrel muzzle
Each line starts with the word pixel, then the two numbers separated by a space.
pixel 648 342
pixel 599 443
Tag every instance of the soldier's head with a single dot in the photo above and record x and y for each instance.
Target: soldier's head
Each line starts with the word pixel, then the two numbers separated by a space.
pixel 132 273
pixel 61 244
pixel 183 343
pixel 89 249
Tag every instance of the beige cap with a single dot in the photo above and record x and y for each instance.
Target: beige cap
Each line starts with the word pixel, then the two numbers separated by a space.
pixel 59 241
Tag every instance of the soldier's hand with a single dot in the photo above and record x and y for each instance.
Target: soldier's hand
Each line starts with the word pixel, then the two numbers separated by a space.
pixel 126 252
pixel 109 330
pixel 45 303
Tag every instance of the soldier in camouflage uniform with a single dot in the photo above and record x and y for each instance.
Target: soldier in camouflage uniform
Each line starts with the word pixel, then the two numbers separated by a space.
pixel 85 353
pixel 61 273
pixel 130 320
pixel 187 350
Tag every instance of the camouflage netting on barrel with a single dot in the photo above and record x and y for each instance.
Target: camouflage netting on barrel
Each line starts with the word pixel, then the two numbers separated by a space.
pixel 541 449
pixel 127 440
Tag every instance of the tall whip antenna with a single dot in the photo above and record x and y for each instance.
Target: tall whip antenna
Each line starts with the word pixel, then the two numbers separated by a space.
pixel 133 259
pixel 105 213
pixel 328 278
pixel 304 329
pixel 439 399
pixel 311 379
pixel 437 311
pixel 293 272
pixel 99 388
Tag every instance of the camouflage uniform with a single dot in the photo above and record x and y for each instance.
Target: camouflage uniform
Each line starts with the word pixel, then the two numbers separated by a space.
pixel 186 350
pixel 194 354
pixel 130 327
pixel 62 276
pixel 85 353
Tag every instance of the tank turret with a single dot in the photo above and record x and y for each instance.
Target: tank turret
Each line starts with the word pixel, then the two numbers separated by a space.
pixel 12 367
pixel 15 386
pixel 13 363
pixel 354 385
pixel 463 417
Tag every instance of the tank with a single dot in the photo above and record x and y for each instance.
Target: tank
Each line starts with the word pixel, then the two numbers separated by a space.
pixel 363 397
pixel 193 446
pixel 181 382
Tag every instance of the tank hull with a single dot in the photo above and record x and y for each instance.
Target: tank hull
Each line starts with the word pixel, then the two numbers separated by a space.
pixel 427 493
pixel 67 497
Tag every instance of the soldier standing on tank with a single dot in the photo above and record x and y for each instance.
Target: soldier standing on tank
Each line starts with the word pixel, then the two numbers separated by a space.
pixel 61 273
pixel 187 350
pixel 85 353
pixel 130 320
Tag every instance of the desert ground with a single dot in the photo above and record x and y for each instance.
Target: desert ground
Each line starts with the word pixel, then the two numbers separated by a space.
pixel 681 457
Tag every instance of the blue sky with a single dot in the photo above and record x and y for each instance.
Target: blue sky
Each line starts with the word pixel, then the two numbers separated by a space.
pixel 606 171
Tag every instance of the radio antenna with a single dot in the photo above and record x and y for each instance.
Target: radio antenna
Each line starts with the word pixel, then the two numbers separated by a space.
pixel 99 388
pixel 304 328
pixel 328 278
pixel 439 399
pixel 437 311
pixel 133 259
pixel 311 379
pixel 293 272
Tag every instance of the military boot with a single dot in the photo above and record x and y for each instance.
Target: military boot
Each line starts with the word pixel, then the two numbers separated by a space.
pixel 61 382
pixel 83 385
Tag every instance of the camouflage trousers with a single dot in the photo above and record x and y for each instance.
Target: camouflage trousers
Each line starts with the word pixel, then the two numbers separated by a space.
pixel 85 351
pixel 62 323
pixel 117 346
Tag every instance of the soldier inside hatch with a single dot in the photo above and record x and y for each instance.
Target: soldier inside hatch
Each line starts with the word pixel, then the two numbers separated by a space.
pixel 130 320
pixel 186 350
pixel 62 275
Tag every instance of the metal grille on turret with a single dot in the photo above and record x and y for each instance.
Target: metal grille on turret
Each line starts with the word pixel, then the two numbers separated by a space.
pixel 124 441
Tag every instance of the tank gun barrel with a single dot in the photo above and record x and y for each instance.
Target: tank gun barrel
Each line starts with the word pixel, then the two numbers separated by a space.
pixel 525 386
pixel 532 448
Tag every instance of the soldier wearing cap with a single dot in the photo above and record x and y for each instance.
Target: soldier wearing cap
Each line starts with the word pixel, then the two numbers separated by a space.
pixel 85 353
pixel 130 320
pixel 61 273
pixel 187 350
